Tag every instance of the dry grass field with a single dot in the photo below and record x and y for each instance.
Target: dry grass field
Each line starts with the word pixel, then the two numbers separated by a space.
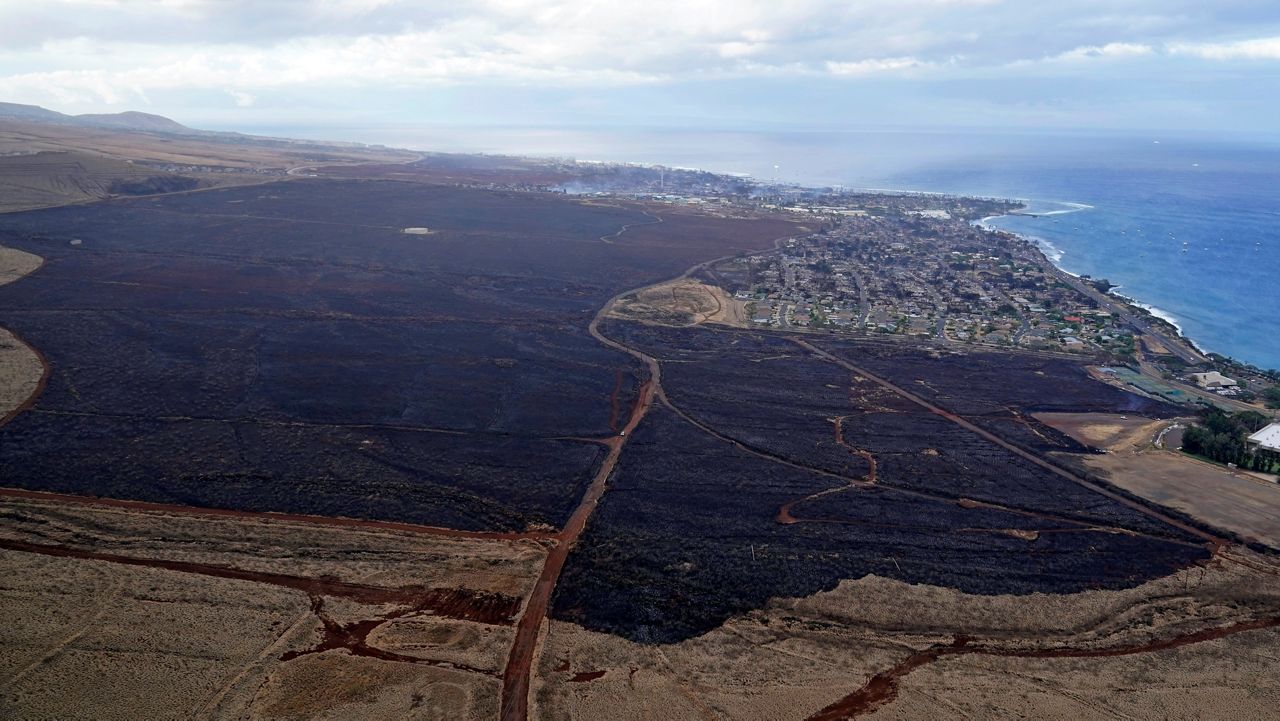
pixel 156 615
pixel 141 617
pixel 1231 500
pixel 213 150
pixel 1078 656
pixel 20 367
pixel 44 165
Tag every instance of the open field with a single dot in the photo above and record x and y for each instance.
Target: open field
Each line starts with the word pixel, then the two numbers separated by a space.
pixel 1234 501
pixel 122 613
pixel 1112 431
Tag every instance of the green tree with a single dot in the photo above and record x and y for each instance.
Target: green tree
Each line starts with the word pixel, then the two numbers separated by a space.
pixel 1272 396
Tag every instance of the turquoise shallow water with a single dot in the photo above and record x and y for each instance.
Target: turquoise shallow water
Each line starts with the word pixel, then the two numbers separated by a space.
pixel 1138 201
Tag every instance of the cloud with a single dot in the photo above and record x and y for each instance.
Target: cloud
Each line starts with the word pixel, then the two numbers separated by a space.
pixel 1110 50
pixel 243 99
pixel 863 68
pixel 86 52
pixel 1255 49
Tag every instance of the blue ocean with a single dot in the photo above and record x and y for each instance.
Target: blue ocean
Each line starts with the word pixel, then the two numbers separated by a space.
pixel 1189 229
pixel 1187 225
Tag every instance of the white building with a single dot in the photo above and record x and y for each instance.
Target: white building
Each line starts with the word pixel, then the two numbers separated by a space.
pixel 1212 380
pixel 1267 439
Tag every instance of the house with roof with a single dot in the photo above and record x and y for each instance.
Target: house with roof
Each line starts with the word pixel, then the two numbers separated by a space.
pixel 1266 439
pixel 1213 380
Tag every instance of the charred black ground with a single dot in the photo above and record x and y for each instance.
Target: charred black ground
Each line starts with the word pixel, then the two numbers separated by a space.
pixel 288 347
pixel 692 531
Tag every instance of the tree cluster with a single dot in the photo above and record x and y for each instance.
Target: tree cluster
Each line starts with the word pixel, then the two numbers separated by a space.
pixel 1220 437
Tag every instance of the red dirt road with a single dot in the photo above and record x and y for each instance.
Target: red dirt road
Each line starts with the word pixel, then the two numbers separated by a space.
pixel 1214 541
pixel 515 679
pixel 883 687
pixel 354 639
pixel 478 606
pixel 784 513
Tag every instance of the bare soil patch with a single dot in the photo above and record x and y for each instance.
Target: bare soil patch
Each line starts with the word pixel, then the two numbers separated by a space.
pixel 1113 431
pixel 682 302
pixel 1234 501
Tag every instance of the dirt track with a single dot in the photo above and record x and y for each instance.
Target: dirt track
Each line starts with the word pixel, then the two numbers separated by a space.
pixel 1216 542
pixel 451 603
pixel 524 649
pixel 784 513
pixel 883 687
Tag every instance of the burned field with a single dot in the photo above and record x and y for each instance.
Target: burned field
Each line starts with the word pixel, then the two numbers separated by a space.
pixel 1000 391
pixel 288 347
pixel 771 472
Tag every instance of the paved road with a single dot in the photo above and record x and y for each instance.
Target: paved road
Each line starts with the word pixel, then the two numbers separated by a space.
pixel 1175 346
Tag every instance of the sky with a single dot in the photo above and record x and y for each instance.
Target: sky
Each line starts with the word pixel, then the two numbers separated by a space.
pixel 725 64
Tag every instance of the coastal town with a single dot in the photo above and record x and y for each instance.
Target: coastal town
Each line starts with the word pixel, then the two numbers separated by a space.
pixel 921 274
pixel 925 267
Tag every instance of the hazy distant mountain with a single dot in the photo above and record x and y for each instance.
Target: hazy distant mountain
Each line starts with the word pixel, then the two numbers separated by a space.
pixel 130 120
pixel 17 111
pixel 133 120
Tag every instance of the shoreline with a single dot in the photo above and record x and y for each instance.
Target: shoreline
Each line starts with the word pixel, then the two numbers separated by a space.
pixel 1053 256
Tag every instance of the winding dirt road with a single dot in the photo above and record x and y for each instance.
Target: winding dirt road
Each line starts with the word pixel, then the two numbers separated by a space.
pixel 463 604
pixel 785 516
pixel 1216 543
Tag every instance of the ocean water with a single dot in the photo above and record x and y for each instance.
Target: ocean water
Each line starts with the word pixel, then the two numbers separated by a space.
pixel 1189 226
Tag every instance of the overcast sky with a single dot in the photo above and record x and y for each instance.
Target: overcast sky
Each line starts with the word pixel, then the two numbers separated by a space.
pixel 1092 64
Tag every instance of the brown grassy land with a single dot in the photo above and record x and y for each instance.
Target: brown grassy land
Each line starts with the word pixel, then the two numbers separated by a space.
pixel 214 150
pixel 56 178
pixel 798 656
pixel 1232 500
pixel 44 165
pixel 90 638
pixel 20 367
pixel 97 639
